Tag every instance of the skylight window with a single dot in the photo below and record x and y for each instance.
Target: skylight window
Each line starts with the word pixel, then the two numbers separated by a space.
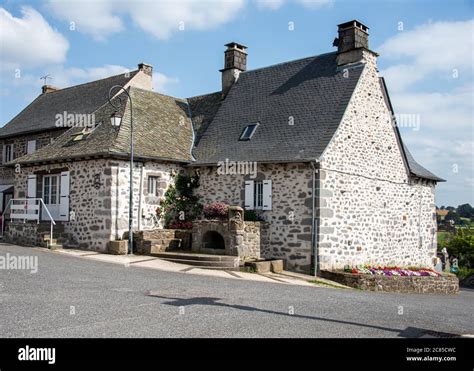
pixel 248 132
pixel 83 134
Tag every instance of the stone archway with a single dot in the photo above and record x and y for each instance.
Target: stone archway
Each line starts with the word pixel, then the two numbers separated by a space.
pixel 213 240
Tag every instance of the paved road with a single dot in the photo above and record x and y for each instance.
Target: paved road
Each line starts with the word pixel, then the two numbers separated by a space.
pixel 75 297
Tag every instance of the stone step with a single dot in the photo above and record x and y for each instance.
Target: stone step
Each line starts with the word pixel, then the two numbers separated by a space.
pixel 196 257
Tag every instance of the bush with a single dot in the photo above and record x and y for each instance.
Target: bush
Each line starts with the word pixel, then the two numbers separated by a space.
pixel 216 210
pixel 461 246
pixel 253 216
pixel 180 204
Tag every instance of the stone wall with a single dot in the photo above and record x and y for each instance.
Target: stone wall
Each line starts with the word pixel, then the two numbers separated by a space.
pixel 19 148
pixel 23 234
pixel 89 200
pixel 289 221
pixel 371 211
pixel 143 219
pixel 445 284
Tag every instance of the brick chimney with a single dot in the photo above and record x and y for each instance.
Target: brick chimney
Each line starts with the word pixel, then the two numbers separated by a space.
pixel 48 89
pixel 352 40
pixel 146 68
pixel 235 61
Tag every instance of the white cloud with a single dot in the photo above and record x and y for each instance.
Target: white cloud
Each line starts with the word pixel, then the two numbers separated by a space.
pixel 160 18
pixel 93 17
pixel 29 41
pixel 431 75
pixel 449 111
pixel 161 82
pixel 270 4
pixel 440 47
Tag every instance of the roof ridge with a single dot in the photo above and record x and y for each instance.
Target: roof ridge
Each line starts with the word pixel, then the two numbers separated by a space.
pixel 204 95
pixel 157 93
pixel 288 62
pixel 90 82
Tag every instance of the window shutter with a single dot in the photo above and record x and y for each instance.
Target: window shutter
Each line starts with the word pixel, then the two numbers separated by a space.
pixel 31 147
pixel 249 194
pixel 31 186
pixel 4 153
pixel 64 196
pixel 267 195
pixel 12 156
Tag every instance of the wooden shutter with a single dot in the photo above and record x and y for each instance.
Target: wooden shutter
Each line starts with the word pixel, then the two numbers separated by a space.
pixel 249 194
pixel 31 146
pixel 64 196
pixel 31 186
pixel 267 195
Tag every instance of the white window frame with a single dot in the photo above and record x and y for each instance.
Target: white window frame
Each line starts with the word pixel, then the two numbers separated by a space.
pixel 152 186
pixel 8 153
pixel 258 195
pixel 47 197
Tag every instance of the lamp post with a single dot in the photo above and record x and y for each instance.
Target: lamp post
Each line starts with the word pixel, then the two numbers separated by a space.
pixel 116 119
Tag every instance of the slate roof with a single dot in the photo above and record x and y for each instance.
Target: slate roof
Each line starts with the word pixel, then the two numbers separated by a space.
pixel 311 91
pixel 298 105
pixel 84 98
pixel 203 108
pixel 418 170
pixel 162 131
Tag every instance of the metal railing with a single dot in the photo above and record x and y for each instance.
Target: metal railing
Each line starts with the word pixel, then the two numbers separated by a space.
pixel 27 209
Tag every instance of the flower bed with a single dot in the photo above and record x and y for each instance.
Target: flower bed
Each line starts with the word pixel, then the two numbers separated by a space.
pixel 393 271
pixel 389 279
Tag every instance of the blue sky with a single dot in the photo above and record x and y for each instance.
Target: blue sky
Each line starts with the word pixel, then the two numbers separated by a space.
pixel 426 55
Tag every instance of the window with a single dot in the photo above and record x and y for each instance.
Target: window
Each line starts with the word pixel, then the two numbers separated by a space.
pixel 258 195
pixel 248 132
pixel 258 192
pixel 51 185
pixel 7 152
pixel 153 185
pixel 31 146
pixel 83 134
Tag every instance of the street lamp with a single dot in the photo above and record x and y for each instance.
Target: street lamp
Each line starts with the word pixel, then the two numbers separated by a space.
pixel 116 119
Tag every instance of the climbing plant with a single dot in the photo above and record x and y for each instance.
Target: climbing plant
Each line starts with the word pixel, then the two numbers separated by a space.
pixel 180 205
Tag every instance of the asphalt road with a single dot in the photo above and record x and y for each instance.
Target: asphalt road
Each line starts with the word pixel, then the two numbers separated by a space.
pixel 76 297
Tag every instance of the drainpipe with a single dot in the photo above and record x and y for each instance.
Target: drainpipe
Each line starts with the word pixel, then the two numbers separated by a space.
pixel 140 192
pixel 314 219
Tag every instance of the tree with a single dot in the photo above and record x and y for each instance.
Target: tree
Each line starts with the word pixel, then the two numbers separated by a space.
pixel 461 246
pixel 465 211
pixel 452 215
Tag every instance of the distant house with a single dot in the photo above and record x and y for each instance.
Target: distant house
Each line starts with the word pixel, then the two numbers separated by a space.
pixel 333 179
pixel 441 213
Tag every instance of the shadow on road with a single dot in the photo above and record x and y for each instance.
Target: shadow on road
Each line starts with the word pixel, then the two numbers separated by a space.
pixel 409 332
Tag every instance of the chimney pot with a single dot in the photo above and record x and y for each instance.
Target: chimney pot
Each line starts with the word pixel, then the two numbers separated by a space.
pixel 146 68
pixel 235 61
pixel 353 36
pixel 48 89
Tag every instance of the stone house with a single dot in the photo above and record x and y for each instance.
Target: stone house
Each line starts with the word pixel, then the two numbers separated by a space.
pixel 37 126
pixel 310 144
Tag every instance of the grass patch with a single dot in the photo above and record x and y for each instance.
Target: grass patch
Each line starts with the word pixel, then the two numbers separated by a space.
pixel 324 283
